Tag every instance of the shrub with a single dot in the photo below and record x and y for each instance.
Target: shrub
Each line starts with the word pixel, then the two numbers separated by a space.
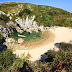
pixel 65 46
pixel 63 58
pixel 6 59
pixel 47 20
pixel 4 17
pixel 24 12
pixel 50 56
pixel 1 36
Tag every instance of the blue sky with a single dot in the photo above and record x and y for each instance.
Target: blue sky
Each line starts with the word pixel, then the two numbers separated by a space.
pixel 63 4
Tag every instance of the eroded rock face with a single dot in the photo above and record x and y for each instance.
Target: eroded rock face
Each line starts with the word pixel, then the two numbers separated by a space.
pixel 20 41
pixel 10 42
pixel 28 23
pixel 4 32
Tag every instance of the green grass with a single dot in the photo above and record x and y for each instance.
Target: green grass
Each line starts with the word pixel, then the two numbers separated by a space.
pixel 69 19
pixel 29 36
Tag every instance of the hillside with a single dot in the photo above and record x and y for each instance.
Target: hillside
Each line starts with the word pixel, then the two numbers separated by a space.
pixel 44 15
pixel 58 16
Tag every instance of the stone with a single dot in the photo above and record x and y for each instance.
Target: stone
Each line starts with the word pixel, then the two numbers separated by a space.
pixel 10 17
pixel 2 13
pixel 4 32
pixel 10 23
pixel 10 40
pixel 36 30
pixel 41 28
pixel 20 41
pixel 21 35
pixel 19 30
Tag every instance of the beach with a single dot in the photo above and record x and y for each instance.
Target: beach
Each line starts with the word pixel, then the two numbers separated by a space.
pixel 57 35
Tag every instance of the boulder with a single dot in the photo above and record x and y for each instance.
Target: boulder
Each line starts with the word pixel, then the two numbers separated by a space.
pixel 41 28
pixel 36 30
pixel 10 40
pixel 19 30
pixel 28 30
pixel 20 40
pixel 1 12
pixel 21 35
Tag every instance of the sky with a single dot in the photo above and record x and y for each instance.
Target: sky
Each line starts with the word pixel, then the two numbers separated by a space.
pixel 63 4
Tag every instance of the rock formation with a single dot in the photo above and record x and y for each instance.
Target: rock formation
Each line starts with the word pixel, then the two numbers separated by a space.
pixel 20 40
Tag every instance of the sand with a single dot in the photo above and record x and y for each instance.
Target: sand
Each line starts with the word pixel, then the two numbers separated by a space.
pixel 56 35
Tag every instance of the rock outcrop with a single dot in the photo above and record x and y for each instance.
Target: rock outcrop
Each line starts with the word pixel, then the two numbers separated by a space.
pixel 28 23
pixel 20 41
pixel 2 13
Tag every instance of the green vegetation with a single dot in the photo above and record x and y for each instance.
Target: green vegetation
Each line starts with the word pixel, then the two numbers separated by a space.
pixel 10 63
pixel 4 17
pixel 69 19
pixel 60 61
pixel 47 20
pixel 1 36
pixel 3 20
pixel 29 36
pixel 6 59
pixel 24 12
pixel 45 15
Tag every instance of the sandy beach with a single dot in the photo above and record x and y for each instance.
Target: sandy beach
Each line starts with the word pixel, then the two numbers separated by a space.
pixel 57 35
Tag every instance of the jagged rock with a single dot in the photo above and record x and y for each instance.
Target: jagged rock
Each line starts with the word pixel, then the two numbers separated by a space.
pixel 4 32
pixel 10 17
pixel 28 30
pixel 9 14
pixel 20 5
pixel 36 30
pixel 11 23
pixel 20 40
pixel 41 28
pixel 28 23
pixel 10 40
pixel 20 31
pixel 2 13
pixel 46 28
pixel 21 35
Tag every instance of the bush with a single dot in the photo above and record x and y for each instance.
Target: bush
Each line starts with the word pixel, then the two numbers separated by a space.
pixel 63 58
pixel 65 46
pixel 24 12
pixel 1 36
pixel 6 59
pixel 4 17
pixel 50 56
pixel 47 20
